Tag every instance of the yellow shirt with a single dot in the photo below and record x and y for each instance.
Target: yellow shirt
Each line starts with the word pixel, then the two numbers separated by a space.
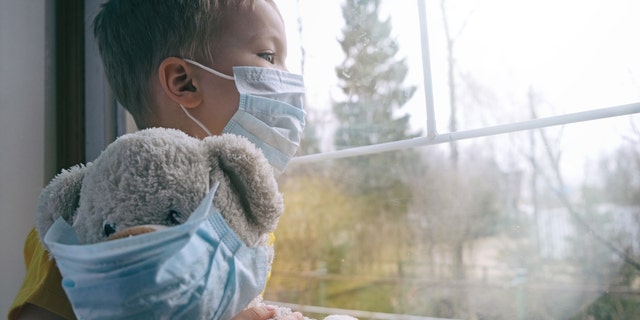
pixel 42 283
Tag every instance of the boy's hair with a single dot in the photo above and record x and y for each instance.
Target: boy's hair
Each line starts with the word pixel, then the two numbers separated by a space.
pixel 134 36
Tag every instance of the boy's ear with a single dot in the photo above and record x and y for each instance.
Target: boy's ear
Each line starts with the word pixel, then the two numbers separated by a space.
pixel 178 83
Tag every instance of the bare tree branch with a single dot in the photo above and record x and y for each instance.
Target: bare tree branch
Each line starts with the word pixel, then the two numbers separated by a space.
pixel 575 214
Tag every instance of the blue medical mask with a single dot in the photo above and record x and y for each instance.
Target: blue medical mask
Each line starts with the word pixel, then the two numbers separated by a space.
pixel 270 111
pixel 196 270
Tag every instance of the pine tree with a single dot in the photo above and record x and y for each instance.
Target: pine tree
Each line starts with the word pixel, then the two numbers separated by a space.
pixel 371 80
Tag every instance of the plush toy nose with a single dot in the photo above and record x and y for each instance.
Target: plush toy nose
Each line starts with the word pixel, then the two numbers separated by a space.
pixel 136 230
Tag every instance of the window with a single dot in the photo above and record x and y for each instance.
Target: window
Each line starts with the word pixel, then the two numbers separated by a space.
pixel 464 159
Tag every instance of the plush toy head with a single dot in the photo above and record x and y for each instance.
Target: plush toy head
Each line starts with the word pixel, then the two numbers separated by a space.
pixel 157 177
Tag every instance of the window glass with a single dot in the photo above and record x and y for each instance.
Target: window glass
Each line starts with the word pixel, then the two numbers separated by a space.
pixel 493 60
pixel 572 55
pixel 536 224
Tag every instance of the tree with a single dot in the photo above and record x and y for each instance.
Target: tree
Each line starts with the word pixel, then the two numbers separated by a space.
pixel 451 38
pixel 371 79
pixel 335 215
pixel 621 190
pixel 370 112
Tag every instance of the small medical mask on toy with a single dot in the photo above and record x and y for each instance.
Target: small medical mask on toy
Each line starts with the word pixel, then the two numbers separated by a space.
pixel 196 270
pixel 270 111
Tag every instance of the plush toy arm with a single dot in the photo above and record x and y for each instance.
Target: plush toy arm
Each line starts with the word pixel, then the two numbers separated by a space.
pixel 283 312
pixel 248 195
pixel 59 199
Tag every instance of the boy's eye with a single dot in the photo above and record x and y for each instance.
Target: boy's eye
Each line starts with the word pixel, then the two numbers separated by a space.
pixel 270 57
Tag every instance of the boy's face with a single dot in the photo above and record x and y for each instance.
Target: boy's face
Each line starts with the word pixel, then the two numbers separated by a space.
pixel 252 37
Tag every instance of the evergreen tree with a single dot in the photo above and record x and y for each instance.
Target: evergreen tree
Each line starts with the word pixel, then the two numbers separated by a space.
pixel 371 80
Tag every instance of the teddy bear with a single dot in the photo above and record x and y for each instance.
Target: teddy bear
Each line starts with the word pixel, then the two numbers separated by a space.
pixel 155 178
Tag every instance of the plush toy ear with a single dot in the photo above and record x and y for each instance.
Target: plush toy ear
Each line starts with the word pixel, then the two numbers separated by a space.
pixel 248 196
pixel 59 199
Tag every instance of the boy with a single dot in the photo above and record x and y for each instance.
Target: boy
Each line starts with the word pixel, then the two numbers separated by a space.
pixel 169 63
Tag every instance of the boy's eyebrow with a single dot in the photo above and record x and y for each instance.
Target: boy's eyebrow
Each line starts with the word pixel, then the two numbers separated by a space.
pixel 276 38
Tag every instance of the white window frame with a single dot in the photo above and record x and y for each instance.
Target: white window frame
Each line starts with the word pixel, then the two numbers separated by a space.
pixel 433 137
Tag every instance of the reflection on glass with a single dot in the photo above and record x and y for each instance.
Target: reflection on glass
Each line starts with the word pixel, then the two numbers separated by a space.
pixel 510 231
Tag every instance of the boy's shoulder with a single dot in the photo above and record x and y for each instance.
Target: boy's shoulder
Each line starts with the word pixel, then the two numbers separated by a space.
pixel 41 286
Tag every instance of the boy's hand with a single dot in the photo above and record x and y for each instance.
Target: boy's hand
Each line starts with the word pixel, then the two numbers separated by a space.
pixel 264 313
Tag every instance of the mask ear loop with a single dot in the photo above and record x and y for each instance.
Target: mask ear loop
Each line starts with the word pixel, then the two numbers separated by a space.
pixel 202 126
pixel 217 73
